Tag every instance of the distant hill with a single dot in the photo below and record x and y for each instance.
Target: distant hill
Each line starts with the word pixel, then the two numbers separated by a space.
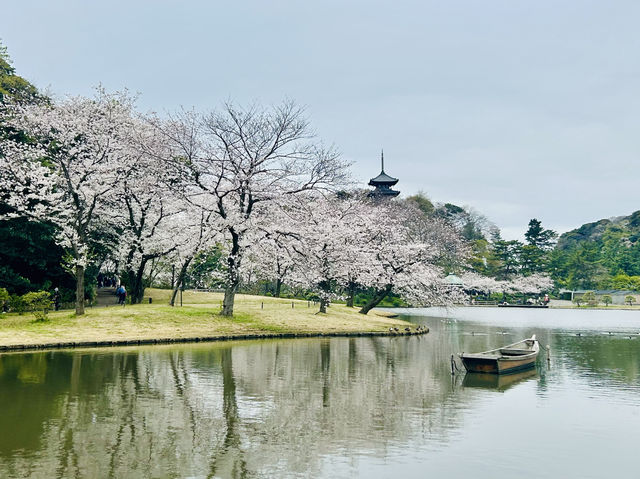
pixel 627 226
pixel 603 254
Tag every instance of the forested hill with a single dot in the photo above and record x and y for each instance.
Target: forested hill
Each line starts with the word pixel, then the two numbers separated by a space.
pixel 602 254
pixel 620 227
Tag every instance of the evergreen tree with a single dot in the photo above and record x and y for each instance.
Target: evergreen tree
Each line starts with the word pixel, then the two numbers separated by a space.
pixel 11 85
pixel 534 255
pixel 539 237
pixel 508 255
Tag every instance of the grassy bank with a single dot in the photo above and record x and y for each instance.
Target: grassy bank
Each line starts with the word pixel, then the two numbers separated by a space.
pixel 198 317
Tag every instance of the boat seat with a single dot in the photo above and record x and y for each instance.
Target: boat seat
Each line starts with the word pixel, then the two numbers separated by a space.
pixel 515 352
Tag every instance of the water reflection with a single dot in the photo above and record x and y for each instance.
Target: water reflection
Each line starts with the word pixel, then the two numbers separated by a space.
pixel 499 382
pixel 316 407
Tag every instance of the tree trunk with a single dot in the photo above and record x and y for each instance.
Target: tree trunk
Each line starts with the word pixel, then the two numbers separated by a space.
pixel 278 288
pixel 136 285
pixel 377 298
pixel 138 290
pixel 324 298
pixel 79 290
pixel 174 293
pixel 351 292
pixel 229 299
pixel 233 263
pixel 180 281
pixel 323 305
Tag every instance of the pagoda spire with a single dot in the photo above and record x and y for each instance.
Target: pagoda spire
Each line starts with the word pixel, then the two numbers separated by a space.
pixel 383 182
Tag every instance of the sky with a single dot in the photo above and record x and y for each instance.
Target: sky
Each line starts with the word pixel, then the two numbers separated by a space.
pixel 517 109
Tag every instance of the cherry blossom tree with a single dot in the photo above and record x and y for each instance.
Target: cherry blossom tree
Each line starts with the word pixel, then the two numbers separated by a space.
pixel 325 244
pixel 348 240
pixel 274 259
pixel 238 163
pixel 197 231
pixel 485 284
pixel 148 211
pixel 71 166
pixel 408 256
pixel 533 284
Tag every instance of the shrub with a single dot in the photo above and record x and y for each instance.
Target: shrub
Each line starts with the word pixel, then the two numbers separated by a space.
pixel 39 302
pixel 607 299
pixel 590 298
pixel 16 304
pixel 630 299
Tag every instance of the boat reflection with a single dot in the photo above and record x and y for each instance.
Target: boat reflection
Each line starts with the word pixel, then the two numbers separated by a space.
pixel 499 382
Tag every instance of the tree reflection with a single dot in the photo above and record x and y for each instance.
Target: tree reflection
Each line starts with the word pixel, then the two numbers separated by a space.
pixel 229 459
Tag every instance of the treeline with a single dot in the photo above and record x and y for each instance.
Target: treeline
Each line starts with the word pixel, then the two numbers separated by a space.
pixel 600 255
pixel 30 259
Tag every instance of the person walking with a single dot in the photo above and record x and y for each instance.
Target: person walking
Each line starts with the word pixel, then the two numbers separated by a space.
pixel 56 299
pixel 123 295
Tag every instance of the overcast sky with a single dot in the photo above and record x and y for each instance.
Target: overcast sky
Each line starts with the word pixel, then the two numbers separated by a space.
pixel 519 109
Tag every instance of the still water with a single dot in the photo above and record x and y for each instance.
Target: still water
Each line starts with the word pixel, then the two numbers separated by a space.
pixel 356 407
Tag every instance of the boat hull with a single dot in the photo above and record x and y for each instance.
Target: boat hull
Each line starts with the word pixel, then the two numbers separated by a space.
pixel 497 366
pixel 508 359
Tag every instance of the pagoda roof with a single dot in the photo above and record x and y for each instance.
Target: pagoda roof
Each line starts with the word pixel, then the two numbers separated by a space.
pixel 454 280
pixel 383 191
pixel 383 179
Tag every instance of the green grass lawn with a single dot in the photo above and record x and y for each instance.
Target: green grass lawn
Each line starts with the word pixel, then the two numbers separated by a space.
pixel 198 317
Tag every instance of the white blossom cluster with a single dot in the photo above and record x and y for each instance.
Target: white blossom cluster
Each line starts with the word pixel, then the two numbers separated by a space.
pixel 533 284
pixel 326 243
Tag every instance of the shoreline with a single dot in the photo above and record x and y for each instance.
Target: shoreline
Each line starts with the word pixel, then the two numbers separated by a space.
pixel 201 339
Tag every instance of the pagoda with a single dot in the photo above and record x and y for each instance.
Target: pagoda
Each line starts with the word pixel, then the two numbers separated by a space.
pixel 383 183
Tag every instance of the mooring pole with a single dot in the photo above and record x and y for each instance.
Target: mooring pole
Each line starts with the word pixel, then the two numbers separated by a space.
pixel 453 366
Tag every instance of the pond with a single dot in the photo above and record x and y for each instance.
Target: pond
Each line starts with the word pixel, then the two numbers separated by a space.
pixel 352 407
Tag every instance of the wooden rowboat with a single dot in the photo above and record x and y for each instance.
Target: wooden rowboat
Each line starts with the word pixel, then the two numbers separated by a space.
pixel 507 359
